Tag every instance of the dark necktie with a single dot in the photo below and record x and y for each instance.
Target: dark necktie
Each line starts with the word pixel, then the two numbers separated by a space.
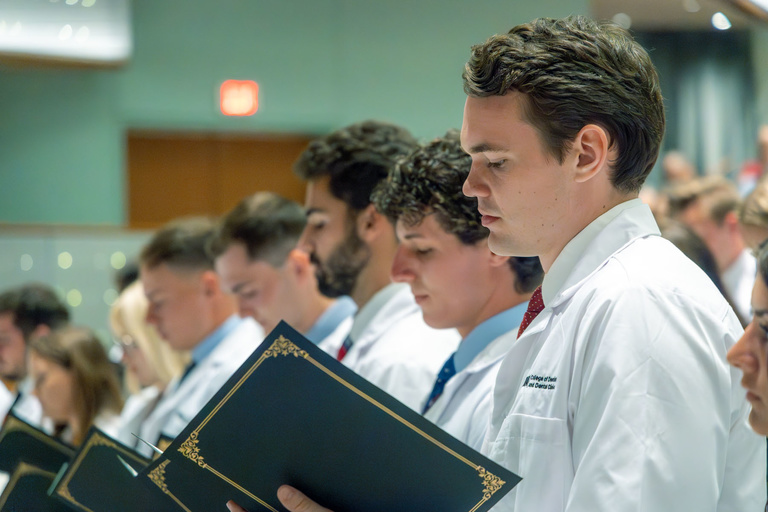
pixel 344 348
pixel 187 370
pixel 535 306
pixel 448 371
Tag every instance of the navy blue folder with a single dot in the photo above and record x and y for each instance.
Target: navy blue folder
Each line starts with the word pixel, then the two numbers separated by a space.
pixel 294 415
pixel 96 480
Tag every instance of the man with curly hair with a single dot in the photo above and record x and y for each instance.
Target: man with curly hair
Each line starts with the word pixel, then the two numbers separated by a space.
pixel 458 282
pixel 352 246
pixel 617 394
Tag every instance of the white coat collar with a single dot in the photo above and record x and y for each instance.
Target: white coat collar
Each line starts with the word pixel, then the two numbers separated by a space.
pixel 593 246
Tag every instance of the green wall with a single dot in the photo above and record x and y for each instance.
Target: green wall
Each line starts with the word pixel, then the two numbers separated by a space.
pixel 320 64
pixel 760 63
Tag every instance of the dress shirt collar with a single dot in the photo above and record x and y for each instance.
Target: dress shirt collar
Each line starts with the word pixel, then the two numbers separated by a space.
pixel 341 309
pixel 212 341
pixel 366 314
pixel 639 222
pixel 482 335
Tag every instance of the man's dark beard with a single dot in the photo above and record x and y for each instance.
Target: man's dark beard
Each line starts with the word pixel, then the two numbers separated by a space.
pixel 338 275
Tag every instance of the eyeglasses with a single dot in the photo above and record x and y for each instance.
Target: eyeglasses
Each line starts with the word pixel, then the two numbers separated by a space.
pixel 126 342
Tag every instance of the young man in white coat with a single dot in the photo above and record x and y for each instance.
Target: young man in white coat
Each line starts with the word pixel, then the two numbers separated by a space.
pixel 258 262
pixel 352 246
pixel 457 281
pixel 191 312
pixel 617 396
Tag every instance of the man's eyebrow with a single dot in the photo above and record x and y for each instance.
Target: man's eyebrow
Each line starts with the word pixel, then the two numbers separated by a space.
pixel 761 312
pixel 411 236
pixel 311 211
pixel 485 147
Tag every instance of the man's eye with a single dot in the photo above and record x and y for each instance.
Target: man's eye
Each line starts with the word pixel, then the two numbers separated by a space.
pixel 497 164
pixel 423 252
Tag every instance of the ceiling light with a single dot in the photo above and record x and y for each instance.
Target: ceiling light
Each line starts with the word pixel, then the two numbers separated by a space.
pixel 720 21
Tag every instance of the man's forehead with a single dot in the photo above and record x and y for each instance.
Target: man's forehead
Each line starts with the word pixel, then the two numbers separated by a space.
pixel 486 120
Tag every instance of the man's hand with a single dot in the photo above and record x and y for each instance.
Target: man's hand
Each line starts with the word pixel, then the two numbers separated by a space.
pixel 291 499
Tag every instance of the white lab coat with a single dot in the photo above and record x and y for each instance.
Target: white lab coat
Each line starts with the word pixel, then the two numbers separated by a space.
pixel 332 343
pixel 180 403
pixel 399 353
pixel 28 407
pixel 464 408
pixel 137 408
pixel 618 396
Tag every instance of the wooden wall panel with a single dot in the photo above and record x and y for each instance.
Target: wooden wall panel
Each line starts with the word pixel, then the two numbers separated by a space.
pixel 175 175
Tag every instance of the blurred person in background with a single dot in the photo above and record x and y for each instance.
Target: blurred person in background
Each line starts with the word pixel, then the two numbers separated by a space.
pixel 149 362
pixel 754 170
pixel 709 207
pixel 697 251
pixel 258 262
pixel 677 168
pixel 26 312
pixel 753 216
pixel 75 383
pixel 191 312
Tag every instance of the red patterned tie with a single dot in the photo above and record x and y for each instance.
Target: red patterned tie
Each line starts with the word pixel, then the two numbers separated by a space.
pixel 535 306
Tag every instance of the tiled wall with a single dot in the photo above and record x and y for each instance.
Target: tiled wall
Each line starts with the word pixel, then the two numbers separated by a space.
pixel 80 263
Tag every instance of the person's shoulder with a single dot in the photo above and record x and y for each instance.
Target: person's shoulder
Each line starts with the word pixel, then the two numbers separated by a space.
pixel 653 271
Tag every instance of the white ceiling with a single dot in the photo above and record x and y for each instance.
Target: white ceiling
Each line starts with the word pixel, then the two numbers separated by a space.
pixel 672 14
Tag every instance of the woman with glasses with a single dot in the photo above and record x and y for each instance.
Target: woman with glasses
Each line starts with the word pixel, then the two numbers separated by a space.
pixel 149 362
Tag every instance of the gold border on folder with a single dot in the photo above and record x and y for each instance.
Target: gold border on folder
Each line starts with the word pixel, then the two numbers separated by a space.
pixel 284 347
pixel 23 469
pixel 96 439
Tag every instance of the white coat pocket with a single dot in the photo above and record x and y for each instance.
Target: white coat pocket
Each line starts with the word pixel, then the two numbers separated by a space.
pixel 537 449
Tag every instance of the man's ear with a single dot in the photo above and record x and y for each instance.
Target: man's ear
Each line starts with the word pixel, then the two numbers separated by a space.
pixel 209 280
pixel 731 220
pixel 591 149
pixel 370 223
pixel 298 263
pixel 496 259
pixel 40 330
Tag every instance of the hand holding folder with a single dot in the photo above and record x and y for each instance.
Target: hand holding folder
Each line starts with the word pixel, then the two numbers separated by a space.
pixel 292 499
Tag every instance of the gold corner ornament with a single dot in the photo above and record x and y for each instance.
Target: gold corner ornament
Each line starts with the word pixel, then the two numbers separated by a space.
pixel 157 476
pixel 491 482
pixel 284 347
pixel 190 450
pixel 64 492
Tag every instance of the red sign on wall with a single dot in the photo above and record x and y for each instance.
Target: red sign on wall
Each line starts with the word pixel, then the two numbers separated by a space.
pixel 239 97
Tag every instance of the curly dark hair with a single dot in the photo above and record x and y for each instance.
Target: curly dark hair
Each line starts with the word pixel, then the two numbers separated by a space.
pixel 429 181
pixel 267 224
pixel 355 158
pixel 573 72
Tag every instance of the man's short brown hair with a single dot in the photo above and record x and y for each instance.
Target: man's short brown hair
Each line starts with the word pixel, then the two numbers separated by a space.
pixel 182 243
pixel 573 72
